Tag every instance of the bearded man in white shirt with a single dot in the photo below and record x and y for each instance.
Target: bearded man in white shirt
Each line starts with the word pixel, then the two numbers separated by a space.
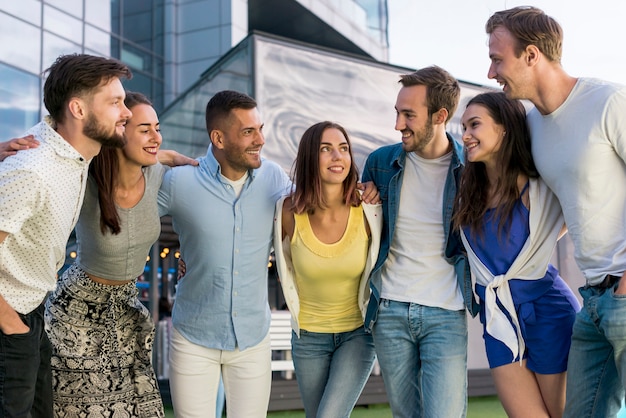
pixel 41 193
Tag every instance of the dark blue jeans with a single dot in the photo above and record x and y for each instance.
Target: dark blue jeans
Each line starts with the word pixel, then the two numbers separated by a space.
pixel 25 375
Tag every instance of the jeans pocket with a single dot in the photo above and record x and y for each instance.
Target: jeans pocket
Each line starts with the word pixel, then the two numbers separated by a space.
pixel 612 293
pixel 25 320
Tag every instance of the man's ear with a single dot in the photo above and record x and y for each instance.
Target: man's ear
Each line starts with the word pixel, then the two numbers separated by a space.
pixel 440 116
pixel 532 55
pixel 217 138
pixel 77 108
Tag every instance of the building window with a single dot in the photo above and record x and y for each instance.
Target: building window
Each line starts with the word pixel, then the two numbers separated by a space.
pixel 20 101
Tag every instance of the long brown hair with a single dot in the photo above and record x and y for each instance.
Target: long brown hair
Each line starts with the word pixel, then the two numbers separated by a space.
pixel 513 158
pixel 305 173
pixel 104 169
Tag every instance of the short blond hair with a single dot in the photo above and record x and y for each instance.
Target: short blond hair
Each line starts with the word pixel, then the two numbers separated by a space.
pixel 530 26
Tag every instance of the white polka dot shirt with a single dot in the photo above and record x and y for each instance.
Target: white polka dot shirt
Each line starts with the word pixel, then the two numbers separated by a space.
pixel 41 192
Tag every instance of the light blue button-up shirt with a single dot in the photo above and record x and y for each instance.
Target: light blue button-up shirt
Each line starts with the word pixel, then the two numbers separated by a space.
pixel 221 303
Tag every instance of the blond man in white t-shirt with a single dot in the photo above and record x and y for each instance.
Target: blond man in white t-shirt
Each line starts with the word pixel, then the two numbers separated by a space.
pixel 578 135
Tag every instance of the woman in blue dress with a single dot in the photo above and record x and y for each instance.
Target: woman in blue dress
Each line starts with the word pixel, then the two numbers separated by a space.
pixel 510 223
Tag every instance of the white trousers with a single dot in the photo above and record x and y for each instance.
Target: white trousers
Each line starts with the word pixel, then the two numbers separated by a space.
pixel 195 375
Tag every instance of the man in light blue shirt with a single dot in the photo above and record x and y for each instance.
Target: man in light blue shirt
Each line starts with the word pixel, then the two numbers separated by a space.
pixel 223 212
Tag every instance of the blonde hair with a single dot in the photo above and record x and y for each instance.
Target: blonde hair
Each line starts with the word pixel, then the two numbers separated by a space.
pixel 530 26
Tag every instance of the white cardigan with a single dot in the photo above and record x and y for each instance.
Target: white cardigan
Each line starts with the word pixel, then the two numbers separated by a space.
pixel 286 274
pixel 546 222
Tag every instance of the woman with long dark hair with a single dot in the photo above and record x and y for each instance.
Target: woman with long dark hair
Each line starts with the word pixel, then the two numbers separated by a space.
pixel 510 223
pixel 101 333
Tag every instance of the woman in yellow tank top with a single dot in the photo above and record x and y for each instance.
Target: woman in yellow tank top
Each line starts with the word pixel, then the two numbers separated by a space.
pixel 326 243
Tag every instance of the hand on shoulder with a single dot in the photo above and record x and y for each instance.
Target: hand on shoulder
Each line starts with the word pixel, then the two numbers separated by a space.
pixel 12 146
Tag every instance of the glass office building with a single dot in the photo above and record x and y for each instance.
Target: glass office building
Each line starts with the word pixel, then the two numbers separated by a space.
pixel 303 60
pixel 167 43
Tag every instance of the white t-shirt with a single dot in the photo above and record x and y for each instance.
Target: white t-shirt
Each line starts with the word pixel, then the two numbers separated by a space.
pixel 415 269
pixel 580 152
pixel 41 193
pixel 237 185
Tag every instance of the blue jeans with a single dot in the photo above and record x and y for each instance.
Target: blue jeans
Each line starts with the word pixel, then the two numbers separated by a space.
pixel 331 370
pixel 422 353
pixel 596 370
pixel 25 373
pixel 221 400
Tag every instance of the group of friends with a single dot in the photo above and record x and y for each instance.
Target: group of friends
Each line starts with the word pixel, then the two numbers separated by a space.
pixel 385 268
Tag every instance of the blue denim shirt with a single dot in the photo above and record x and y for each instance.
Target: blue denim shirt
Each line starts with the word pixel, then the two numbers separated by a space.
pixel 221 303
pixel 385 167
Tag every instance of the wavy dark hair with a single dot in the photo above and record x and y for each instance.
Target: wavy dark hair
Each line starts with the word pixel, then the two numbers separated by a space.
pixel 305 173
pixel 513 158
pixel 104 169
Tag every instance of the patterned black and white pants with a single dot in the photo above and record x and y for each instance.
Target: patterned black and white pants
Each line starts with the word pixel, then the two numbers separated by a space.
pixel 101 350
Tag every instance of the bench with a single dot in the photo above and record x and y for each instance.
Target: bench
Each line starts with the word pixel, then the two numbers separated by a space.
pixel 280 343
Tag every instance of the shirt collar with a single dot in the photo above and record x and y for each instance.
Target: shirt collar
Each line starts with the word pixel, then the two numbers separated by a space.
pixel 46 131
pixel 457 151
pixel 210 164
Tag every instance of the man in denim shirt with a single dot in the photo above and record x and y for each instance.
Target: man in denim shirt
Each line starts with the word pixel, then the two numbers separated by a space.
pixel 223 211
pixel 421 284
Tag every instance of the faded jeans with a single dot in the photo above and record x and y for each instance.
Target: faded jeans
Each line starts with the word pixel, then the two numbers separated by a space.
pixel 422 352
pixel 331 370
pixel 596 369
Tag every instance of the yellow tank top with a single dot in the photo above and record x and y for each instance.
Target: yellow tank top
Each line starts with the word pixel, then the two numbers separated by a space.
pixel 328 275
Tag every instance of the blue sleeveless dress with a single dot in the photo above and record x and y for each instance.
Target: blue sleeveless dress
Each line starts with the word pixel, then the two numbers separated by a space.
pixel 546 308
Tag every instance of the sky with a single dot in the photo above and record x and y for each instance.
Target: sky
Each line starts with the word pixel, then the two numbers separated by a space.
pixel 451 34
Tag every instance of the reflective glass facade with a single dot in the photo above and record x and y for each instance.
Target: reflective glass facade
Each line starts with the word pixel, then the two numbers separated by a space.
pixel 376 12
pixel 35 33
pixel 20 101
pixel 168 45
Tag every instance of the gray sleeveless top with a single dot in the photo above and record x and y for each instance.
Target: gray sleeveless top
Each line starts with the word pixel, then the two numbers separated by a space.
pixel 122 256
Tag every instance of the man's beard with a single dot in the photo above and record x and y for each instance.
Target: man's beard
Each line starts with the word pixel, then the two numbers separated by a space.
pixel 94 130
pixel 422 138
